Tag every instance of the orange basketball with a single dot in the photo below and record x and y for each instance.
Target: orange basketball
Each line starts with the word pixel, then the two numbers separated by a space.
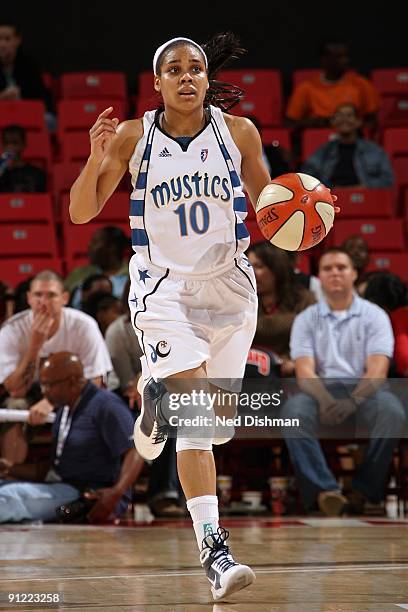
pixel 295 211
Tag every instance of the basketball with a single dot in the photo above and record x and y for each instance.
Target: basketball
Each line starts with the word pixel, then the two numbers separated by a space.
pixel 295 211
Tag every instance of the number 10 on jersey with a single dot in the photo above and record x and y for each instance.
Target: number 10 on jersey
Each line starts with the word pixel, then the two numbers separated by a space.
pixel 198 218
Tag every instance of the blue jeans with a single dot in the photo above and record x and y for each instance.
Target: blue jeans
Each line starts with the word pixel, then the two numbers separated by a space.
pixel 384 415
pixel 33 501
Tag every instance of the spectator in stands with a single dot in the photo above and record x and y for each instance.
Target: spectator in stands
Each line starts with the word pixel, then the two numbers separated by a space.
pixel 389 292
pixel 6 301
pixel 349 160
pixel 309 281
pixel 275 157
pixel 280 299
pixel 20 77
pixel 107 254
pixel 164 488
pixel 315 100
pixel 16 175
pixel 104 308
pixel 341 347
pixel 93 284
pixel 31 336
pixel 357 249
pixel 97 454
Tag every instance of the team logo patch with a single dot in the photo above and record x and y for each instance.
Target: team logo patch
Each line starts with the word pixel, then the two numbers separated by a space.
pixel 204 154
pixel 162 349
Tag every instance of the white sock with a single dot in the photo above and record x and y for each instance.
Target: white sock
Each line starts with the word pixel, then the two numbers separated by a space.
pixel 204 512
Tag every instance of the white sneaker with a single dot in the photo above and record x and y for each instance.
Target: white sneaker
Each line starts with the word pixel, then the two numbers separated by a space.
pixel 151 428
pixel 224 574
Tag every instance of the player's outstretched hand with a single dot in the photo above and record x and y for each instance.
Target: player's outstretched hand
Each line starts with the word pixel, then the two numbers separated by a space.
pixel 101 135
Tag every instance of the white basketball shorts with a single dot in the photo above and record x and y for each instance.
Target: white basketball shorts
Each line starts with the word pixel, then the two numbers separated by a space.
pixel 182 322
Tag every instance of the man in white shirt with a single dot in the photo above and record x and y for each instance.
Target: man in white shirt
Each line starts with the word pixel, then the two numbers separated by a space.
pixel 32 335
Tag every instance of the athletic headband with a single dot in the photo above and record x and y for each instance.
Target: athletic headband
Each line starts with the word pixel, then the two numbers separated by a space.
pixel 160 50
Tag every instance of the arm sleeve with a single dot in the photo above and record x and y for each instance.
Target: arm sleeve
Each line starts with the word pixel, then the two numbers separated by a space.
pixel 380 335
pixel 313 164
pixel 116 424
pixel 386 177
pixel 92 350
pixel 298 105
pixel 301 338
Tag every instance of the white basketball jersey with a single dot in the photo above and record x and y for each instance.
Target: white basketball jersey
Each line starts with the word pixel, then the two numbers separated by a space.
pixel 187 206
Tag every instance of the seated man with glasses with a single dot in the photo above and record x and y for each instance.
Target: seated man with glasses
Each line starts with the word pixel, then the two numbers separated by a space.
pixel 29 337
pixel 93 454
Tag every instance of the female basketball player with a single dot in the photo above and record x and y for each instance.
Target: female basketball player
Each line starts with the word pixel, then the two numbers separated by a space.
pixel 192 297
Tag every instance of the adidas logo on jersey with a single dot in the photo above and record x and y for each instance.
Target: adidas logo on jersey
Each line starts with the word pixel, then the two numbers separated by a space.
pixel 165 153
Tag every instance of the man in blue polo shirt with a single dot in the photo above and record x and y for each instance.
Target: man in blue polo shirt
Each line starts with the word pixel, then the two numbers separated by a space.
pixel 341 347
pixel 92 449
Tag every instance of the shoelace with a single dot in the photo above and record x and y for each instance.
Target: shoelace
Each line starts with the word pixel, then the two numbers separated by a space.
pixel 219 551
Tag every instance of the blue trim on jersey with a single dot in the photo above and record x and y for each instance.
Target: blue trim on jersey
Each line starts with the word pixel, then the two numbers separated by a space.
pixel 141 180
pixel 147 152
pixel 224 150
pixel 136 208
pixel 241 231
pixel 139 237
pixel 235 179
pixel 240 204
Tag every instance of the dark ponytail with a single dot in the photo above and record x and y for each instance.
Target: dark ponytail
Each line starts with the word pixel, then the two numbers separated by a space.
pixel 220 50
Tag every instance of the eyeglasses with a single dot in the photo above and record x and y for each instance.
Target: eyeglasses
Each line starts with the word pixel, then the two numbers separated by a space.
pixel 51 383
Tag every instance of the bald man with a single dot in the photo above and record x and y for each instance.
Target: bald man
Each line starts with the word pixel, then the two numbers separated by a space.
pixel 92 450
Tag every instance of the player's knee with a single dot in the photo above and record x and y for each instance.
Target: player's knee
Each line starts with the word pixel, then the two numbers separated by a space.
pixel 204 444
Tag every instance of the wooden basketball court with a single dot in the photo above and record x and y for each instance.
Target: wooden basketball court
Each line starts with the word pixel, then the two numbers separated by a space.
pixel 302 565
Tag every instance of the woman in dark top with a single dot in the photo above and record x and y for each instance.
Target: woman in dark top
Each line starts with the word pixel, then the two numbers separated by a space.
pixel 281 298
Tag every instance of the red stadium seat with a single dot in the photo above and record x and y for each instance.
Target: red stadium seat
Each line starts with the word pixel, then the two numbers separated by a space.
pixel 380 234
pixel 116 210
pixel 26 207
pixel 82 114
pixel 394 111
pixel 313 138
pixel 145 84
pixel 94 85
pixel 400 165
pixel 16 270
pixel 303 74
pixel 262 93
pixel 146 104
pixel 365 202
pixel 64 175
pixel 396 141
pixel 390 80
pixel 38 150
pixel 21 239
pixel 278 137
pixel 27 113
pixel 392 262
pixel 75 146
pixel 77 237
